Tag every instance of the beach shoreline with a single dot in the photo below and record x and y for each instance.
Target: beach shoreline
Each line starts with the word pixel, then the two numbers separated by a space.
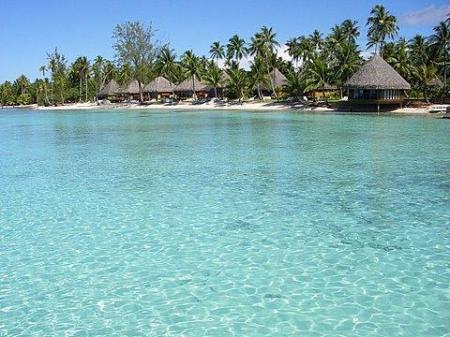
pixel 246 106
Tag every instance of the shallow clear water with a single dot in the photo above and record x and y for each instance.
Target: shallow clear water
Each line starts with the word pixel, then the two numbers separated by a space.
pixel 223 224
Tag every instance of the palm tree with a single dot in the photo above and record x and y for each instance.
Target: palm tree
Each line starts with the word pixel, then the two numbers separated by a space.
pixel 217 51
pixel 350 30
pixel 109 72
pixel 22 84
pixel 236 48
pixel 295 84
pixel 418 50
pixel 97 71
pixel 318 74
pixel 165 63
pixel 381 25
pixel 263 45
pixel 337 35
pixel 192 65
pixel 347 60
pixel 85 72
pixel 396 54
pixel 179 74
pixel 237 81
pixel 425 74
pixel 81 67
pixel 294 50
pixel 57 66
pixel 307 48
pixel 125 74
pixel 440 45
pixel 43 70
pixel 258 76
pixel 316 39
pixel 213 76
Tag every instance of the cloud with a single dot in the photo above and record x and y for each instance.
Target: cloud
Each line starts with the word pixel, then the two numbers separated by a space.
pixel 246 62
pixel 427 16
pixel 282 52
pixel 367 54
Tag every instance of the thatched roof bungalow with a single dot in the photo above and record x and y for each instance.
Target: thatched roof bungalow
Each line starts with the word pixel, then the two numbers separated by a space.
pixel 186 88
pixel 376 82
pixel 109 90
pixel 132 88
pixel 435 82
pixel 322 92
pixel 278 79
pixel 160 86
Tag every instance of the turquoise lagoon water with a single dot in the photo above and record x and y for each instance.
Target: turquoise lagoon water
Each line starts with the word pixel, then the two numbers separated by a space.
pixel 223 224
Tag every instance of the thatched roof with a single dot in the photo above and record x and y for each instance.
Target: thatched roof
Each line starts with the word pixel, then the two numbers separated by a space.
pixel 278 78
pixel 186 85
pixel 159 84
pixel 435 82
pixel 132 88
pixel 110 89
pixel 327 86
pixel 376 73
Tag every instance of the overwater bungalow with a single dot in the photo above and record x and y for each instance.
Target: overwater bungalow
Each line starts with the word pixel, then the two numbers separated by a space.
pixel 160 87
pixel 186 88
pixel 110 91
pixel 376 83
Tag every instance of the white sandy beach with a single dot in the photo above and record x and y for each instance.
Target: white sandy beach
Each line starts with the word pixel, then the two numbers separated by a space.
pixel 246 106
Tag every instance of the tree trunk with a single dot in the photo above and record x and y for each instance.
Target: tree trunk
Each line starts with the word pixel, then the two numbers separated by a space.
pixel 141 94
pixel 271 80
pixel 45 93
pixel 323 95
pixel 86 85
pixel 61 92
pixel 445 81
pixel 215 91
pixel 81 89
pixel 194 95
pixel 425 94
pixel 259 91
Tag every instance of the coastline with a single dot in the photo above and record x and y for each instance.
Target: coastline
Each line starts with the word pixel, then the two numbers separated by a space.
pixel 245 106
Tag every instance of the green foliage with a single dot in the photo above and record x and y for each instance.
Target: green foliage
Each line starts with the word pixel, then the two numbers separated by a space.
pixel 381 25
pixel 213 76
pixel 263 45
pixel 23 99
pixel 237 82
pixel 317 59
pixel 318 74
pixel 296 84
pixel 57 65
pixel 136 47
pixel 236 49
pixel 166 64
pixel 217 51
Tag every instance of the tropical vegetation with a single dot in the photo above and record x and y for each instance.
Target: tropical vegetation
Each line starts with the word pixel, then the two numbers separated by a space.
pixel 316 60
